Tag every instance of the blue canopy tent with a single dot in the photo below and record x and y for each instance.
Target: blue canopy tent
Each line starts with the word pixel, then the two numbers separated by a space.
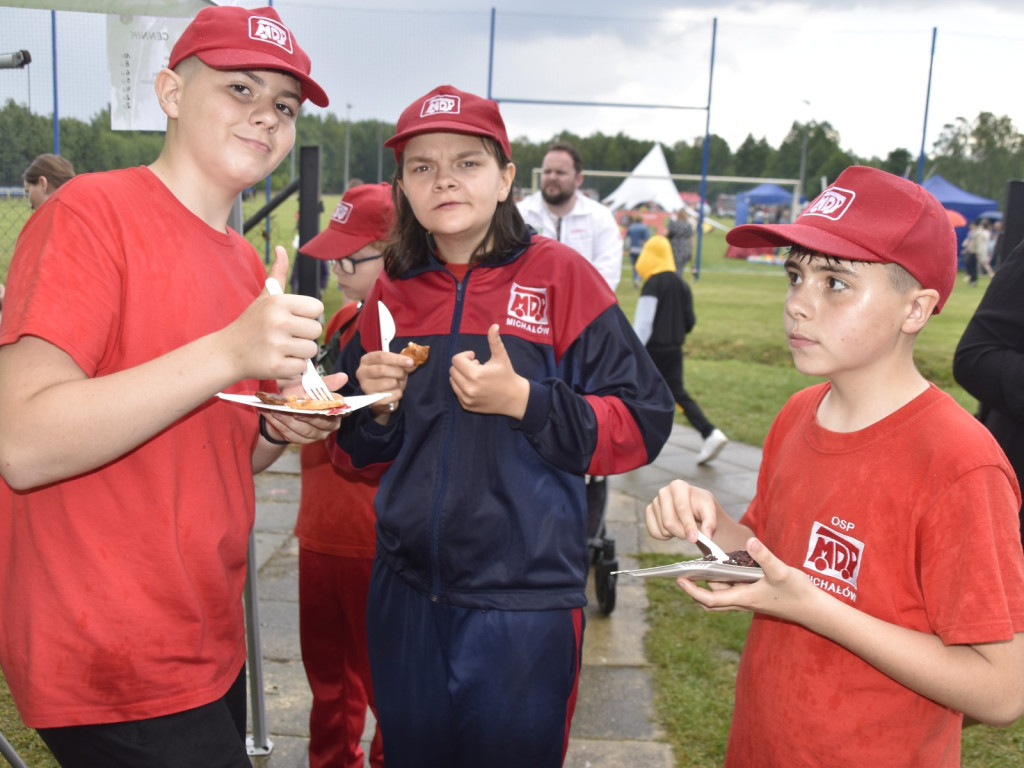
pixel 762 194
pixel 955 199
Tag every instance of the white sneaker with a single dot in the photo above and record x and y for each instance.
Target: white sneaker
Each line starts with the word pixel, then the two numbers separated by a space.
pixel 713 445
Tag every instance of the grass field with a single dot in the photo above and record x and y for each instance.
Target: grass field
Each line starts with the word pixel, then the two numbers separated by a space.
pixel 738 367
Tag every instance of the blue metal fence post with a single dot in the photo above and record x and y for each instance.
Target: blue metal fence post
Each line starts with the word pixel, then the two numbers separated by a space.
pixel 56 103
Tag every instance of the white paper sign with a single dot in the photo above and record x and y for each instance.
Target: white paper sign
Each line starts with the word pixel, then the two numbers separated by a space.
pixel 138 47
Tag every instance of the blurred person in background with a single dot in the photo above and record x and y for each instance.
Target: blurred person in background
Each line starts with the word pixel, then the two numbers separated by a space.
pixel 636 235
pixel 560 211
pixel 664 315
pixel 44 176
pixel 679 232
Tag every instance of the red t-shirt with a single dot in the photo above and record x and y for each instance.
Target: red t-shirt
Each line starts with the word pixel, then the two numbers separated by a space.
pixel 912 520
pixel 335 509
pixel 121 589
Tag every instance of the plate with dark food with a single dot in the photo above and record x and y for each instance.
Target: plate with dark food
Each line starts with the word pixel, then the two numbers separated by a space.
pixel 740 568
pixel 273 401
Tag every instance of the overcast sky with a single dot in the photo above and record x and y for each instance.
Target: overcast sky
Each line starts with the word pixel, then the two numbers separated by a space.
pixel 861 66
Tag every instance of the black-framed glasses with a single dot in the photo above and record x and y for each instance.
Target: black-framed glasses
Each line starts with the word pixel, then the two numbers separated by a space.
pixel 348 266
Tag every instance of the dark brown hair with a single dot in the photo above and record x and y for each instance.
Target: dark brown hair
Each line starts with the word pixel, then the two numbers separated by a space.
pixel 899 278
pixel 411 244
pixel 55 168
pixel 569 149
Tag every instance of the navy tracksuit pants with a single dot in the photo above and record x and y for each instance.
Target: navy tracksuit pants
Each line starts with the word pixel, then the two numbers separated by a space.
pixel 463 687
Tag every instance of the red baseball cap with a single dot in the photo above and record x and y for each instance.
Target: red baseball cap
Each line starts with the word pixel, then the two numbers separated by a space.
pixel 870 215
pixel 229 37
pixel 363 216
pixel 446 109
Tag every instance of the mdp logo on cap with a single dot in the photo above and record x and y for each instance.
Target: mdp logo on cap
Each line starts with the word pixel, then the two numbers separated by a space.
pixel 442 104
pixel 342 212
pixel 270 31
pixel 832 203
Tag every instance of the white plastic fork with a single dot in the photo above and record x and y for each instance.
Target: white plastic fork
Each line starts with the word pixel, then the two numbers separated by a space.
pixel 313 385
pixel 708 547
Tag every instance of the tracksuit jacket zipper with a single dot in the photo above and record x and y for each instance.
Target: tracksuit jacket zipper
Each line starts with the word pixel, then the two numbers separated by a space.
pixel 435 513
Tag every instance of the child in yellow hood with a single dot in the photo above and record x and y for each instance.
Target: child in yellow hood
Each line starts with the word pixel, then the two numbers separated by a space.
pixel 664 315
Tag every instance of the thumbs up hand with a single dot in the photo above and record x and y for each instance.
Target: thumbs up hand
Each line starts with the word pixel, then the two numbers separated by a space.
pixel 274 335
pixel 491 387
pixel 279 269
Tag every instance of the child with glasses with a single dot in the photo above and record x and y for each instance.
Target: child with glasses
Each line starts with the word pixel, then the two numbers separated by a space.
pixel 335 524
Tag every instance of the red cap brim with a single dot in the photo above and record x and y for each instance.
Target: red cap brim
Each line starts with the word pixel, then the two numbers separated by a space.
pixel 332 244
pixel 241 59
pixel 811 238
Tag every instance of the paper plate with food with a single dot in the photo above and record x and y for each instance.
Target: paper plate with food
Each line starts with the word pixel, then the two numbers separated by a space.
pixel 273 401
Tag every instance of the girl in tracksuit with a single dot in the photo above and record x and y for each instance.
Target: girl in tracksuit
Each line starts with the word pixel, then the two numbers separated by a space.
pixel 535 379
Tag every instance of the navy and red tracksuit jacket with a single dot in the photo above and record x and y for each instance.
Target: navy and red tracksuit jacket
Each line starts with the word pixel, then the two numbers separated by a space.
pixel 484 511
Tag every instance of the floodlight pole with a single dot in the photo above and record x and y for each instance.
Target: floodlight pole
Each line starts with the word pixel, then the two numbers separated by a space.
pixel 704 158
pixel 927 101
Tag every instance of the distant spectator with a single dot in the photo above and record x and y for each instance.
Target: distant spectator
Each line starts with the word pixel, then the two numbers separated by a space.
pixel 664 315
pixel 636 235
pixel 44 176
pixel 984 249
pixel 993 243
pixel 975 249
pixel 679 232
pixel 560 211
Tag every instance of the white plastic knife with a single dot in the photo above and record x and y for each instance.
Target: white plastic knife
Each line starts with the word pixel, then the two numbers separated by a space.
pixel 387 326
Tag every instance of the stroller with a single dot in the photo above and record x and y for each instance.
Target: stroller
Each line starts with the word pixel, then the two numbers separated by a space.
pixel 602 548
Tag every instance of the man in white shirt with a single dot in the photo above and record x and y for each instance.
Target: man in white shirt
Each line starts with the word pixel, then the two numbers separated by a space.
pixel 559 211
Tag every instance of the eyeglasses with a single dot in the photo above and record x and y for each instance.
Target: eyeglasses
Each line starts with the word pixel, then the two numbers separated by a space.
pixel 348 266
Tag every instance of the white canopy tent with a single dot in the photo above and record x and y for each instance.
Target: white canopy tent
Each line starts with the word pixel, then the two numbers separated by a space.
pixel 649 182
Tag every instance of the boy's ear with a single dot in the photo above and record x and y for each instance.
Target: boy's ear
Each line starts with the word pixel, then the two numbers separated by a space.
pixel 922 307
pixel 168 88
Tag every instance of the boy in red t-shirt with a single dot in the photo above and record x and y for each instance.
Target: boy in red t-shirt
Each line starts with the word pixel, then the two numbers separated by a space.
pixel 123 551
pixel 885 518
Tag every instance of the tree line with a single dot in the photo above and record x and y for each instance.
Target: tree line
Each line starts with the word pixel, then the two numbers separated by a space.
pixel 979 155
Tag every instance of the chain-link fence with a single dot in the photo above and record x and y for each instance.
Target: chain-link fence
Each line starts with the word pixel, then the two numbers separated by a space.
pixel 373 62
